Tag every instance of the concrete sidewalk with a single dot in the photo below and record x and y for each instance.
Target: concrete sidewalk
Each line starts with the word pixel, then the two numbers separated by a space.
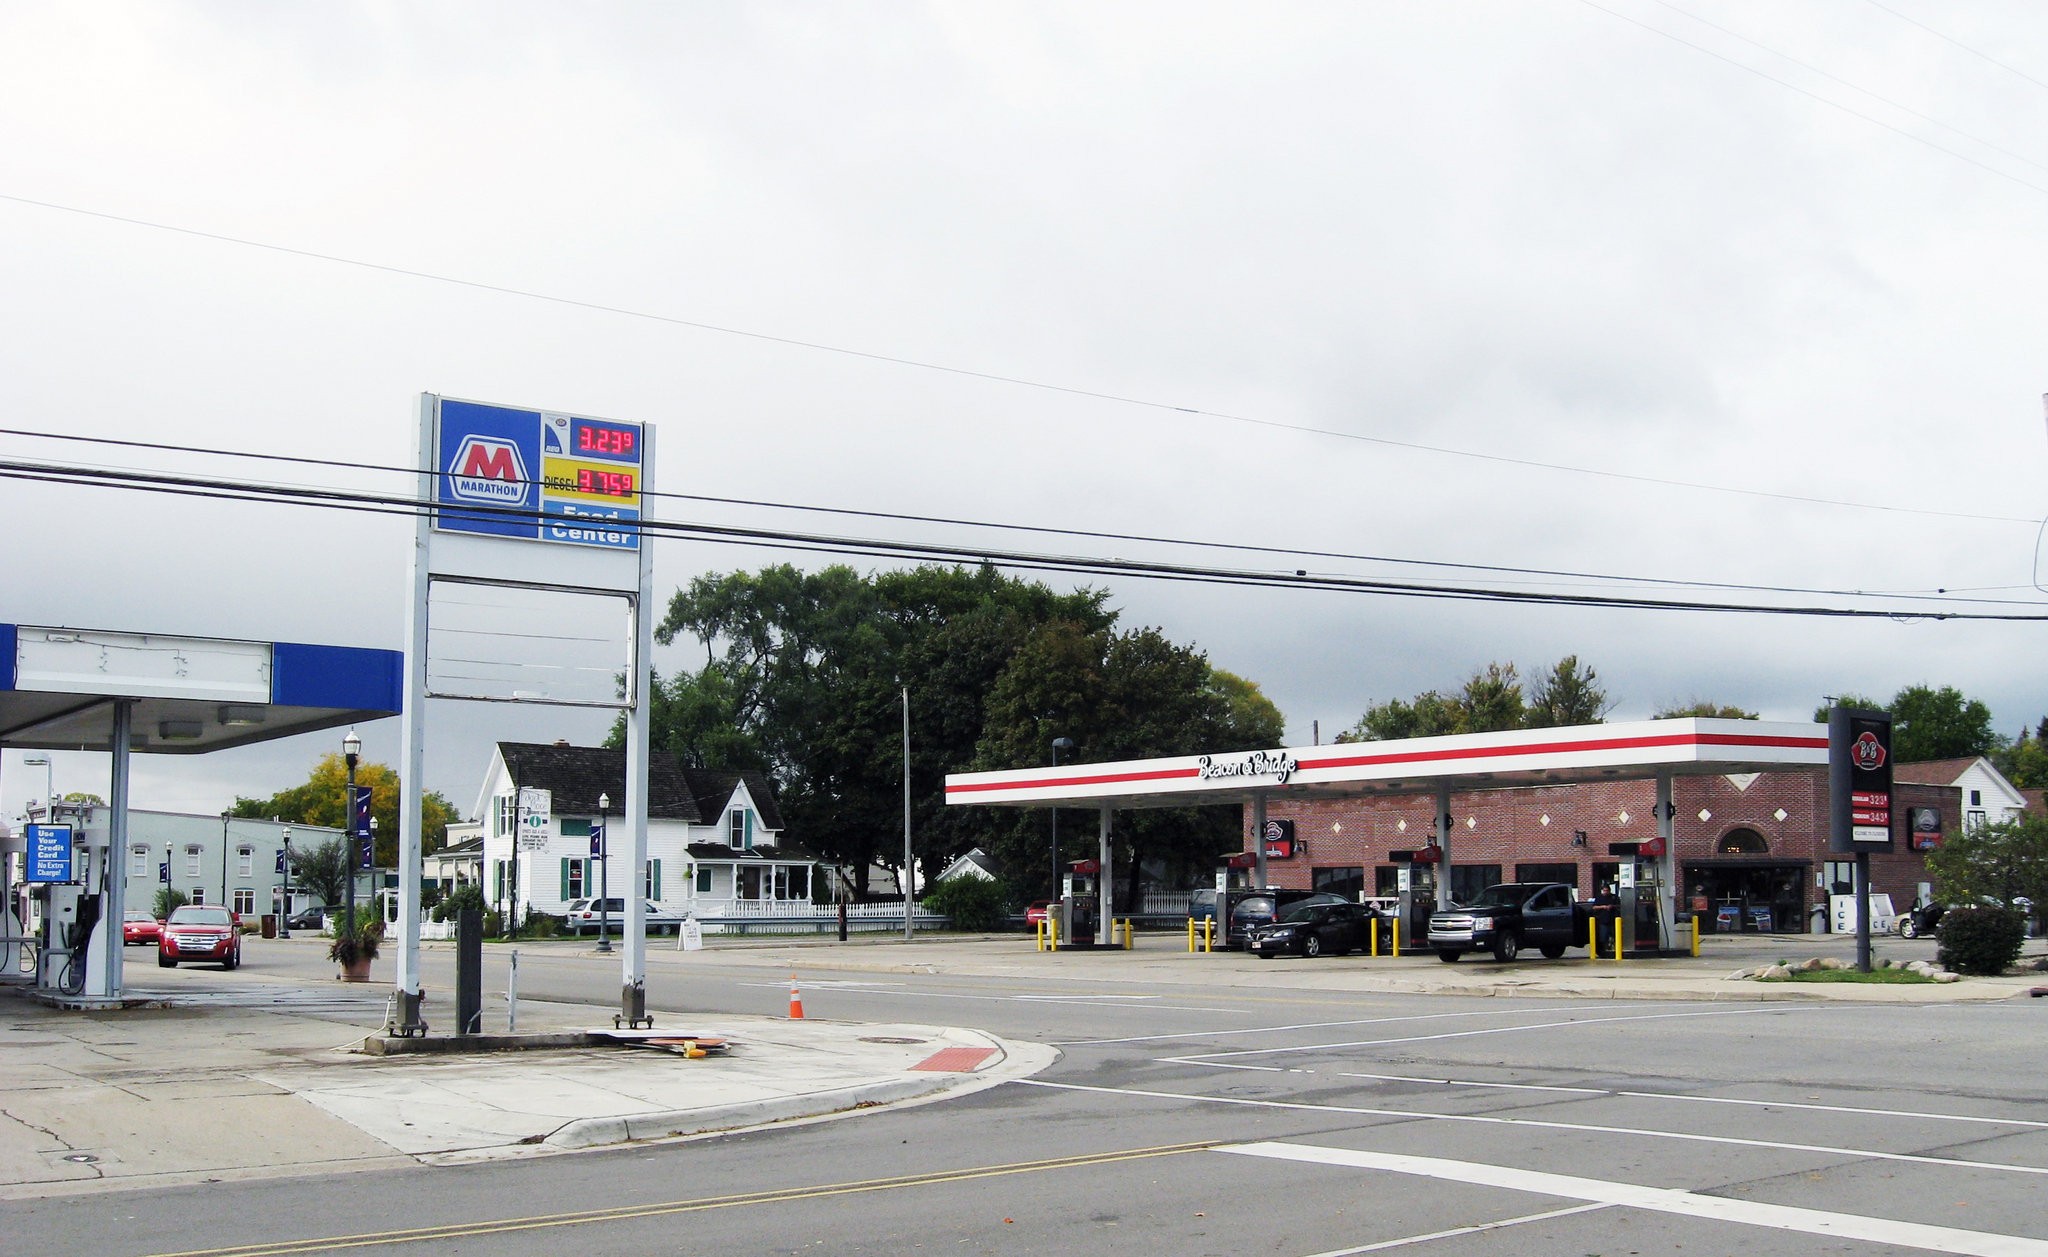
pixel 263 1081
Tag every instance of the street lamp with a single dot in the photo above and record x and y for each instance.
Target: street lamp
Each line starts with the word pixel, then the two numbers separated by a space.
pixel 1058 745
pixel 284 890
pixel 49 783
pixel 604 873
pixel 351 751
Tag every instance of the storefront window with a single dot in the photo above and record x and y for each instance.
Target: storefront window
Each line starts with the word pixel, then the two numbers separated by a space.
pixel 1346 881
pixel 1566 873
pixel 1742 842
pixel 1467 880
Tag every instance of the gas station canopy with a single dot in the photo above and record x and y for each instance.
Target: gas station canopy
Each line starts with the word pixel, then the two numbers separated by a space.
pixel 59 687
pixel 1522 757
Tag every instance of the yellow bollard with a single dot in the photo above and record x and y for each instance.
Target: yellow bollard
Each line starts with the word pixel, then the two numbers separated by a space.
pixel 1130 941
pixel 1397 937
pixel 1375 938
pixel 1191 935
pixel 1209 935
pixel 1041 933
pixel 1695 935
pixel 1617 940
pixel 1593 937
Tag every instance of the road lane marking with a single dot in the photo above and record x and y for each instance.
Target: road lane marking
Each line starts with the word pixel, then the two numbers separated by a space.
pixel 627 1213
pixel 1331 1025
pixel 1195 1058
pixel 1672 1200
pixel 1485 1119
pixel 1089 1001
pixel 1479 1228
pixel 1917 1114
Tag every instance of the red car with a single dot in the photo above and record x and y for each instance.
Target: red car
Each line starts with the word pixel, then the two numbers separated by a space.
pixel 1036 913
pixel 196 932
pixel 138 926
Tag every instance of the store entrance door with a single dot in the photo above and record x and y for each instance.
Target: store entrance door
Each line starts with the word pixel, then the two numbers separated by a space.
pixel 1747 897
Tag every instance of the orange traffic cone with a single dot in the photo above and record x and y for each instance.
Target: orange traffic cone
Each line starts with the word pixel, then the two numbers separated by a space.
pixel 796 1000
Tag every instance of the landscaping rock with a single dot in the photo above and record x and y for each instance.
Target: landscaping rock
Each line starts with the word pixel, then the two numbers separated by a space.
pixel 1775 973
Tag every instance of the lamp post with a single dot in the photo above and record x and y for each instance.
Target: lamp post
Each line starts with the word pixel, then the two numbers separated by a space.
pixel 604 872
pixel 284 890
pixel 1058 745
pixel 49 783
pixel 224 900
pixel 351 751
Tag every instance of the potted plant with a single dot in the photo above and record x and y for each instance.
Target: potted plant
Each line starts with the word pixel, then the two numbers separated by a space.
pixel 355 942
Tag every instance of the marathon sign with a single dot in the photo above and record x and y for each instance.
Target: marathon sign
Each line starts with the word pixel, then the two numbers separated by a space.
pixel 534 475
pixel 1859 780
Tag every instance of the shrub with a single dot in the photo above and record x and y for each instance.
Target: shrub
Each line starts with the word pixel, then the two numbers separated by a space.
pixel 169 901
pixel 1980 939
pixel 972 904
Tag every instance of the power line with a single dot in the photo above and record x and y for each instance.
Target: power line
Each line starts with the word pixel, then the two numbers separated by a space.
pixel 1975 52
pixel 1046 386
pixel 1084 534
pixel 405 505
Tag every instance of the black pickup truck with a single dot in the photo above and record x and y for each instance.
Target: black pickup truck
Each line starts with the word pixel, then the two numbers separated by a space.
pixel 1507 917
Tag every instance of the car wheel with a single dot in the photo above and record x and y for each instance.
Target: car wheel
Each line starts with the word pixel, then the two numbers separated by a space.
pixel 1507 947
pixel 165 962
pixel 1449 956
pixel 232 961
pixel 1552 951
pixel 1313 947
pixel 1906 927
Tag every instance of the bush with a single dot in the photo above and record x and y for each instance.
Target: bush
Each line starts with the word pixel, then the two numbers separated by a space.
pixel 169 901
pixel 971 903
pixel 1980 939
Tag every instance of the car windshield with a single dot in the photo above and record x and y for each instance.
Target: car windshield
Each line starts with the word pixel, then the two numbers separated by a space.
pixel 1504 895
pixel 1305 912
pixel 1256 906
pixel 200 916
pixel 134 915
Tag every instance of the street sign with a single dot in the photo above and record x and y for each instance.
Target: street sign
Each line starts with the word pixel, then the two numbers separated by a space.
pixel 280 859
pixel 49 853
pixel 536 818
pixel 597 841
pixel 163 872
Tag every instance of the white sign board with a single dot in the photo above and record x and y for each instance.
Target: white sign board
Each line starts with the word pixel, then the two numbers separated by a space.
pixel 536 818
pixel 691 934
pixel 1628 874
pixel 1843 913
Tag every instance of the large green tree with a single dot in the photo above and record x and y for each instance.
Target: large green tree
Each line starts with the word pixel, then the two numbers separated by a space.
pixel 322 800
pixel 2004 860
pixel 1130 695
pixel 1929 723
pixel 1568 694
pixel 1491 699
pixel 805 675
pixel 1704 709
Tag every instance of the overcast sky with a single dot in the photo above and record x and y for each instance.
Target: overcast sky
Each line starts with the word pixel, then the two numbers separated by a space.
pixel 1717 292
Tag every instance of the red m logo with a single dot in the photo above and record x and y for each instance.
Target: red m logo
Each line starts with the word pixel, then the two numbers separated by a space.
pixel 489 462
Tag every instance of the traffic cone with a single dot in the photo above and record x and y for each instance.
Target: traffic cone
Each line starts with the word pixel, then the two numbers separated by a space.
pixel 796 1000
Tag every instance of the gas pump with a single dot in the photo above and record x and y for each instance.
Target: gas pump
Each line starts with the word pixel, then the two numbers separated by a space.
pixel 1640 888
pixel 67 872
pixel 1076 909
pixel 1415 882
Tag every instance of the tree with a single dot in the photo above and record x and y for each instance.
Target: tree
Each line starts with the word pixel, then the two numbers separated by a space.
pixel 1566 695
pixel 2024 762
pixel 322 868
pixel 1492 699
pixel 1820 713
pixel 1704 710
pixel 2003 861
pixel 1940 724
pixel 804 679
pixel 322 801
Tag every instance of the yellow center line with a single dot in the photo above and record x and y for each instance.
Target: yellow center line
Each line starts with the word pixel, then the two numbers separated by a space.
pixel 625 1213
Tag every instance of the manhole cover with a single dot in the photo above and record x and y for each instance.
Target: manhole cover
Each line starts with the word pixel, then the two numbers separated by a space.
pixel 887 1038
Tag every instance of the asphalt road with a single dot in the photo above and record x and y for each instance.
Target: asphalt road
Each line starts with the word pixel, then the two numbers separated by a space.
pixel 1190 1120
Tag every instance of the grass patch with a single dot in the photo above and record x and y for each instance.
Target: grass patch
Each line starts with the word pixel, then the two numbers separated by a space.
pixel 1892 977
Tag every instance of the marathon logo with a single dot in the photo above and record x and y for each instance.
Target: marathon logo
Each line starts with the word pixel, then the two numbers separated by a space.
pixel 488 471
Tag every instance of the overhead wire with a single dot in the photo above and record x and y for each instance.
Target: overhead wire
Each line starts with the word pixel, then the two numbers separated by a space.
pixel 406 505
pixel 1077 533
pixel 1018 381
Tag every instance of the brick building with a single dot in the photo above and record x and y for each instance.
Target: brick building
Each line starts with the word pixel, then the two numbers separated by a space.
pixel 1755 843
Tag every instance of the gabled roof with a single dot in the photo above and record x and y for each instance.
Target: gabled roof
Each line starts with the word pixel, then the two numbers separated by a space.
pixel 577 775
pixel 1934 772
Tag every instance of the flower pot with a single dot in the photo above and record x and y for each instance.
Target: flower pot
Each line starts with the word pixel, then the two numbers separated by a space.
pixel 356 971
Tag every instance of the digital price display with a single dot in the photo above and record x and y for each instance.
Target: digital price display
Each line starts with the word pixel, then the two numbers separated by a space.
pixel 604 483
pixel 590 438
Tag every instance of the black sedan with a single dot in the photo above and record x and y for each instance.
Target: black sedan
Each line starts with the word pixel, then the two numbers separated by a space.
pixel 1314 929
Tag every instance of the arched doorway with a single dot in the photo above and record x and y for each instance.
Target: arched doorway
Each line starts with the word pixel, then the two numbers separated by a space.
pixel 1741 888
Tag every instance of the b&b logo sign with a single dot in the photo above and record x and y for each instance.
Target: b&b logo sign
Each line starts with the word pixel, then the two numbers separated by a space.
pixel 488 472
pixel 1867 752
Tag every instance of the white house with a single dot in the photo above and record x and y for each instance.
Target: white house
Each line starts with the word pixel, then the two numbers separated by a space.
pixel 714 839
pixel 1986 795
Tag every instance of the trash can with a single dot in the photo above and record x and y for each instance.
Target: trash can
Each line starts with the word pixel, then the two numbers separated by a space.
pixel 270 925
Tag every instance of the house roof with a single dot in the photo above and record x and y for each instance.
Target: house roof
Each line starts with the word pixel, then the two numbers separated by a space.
pixel 577 775
pixel 1934 772
pixel 978 858
pixel 779 853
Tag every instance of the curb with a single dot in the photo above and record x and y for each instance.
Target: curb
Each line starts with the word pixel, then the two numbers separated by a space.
pixel 592 1132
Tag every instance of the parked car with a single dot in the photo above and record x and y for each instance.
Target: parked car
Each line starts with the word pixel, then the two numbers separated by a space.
pixel 203 933
pixel 1507 917
pixel 1263 907
pixel 587 914
pixel 1915 922
pixel 1036 913
pixel 1313 929
pixel 307 919
pixel 138 926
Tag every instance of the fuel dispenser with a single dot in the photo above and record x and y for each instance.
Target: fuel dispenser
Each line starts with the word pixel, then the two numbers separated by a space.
pixel 1415 882
pixel 66 873
pixel 1639 885
pixel 1077 910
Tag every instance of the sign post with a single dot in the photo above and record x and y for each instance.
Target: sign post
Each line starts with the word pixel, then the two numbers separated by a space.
pixel 1860 800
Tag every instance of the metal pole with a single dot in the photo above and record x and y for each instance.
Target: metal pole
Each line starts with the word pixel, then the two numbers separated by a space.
pixel 224 859
pixel 909 867
pixel 348 828
pixel 284 889
pixel 604 873
pixel 506 927
pixel 1863 911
